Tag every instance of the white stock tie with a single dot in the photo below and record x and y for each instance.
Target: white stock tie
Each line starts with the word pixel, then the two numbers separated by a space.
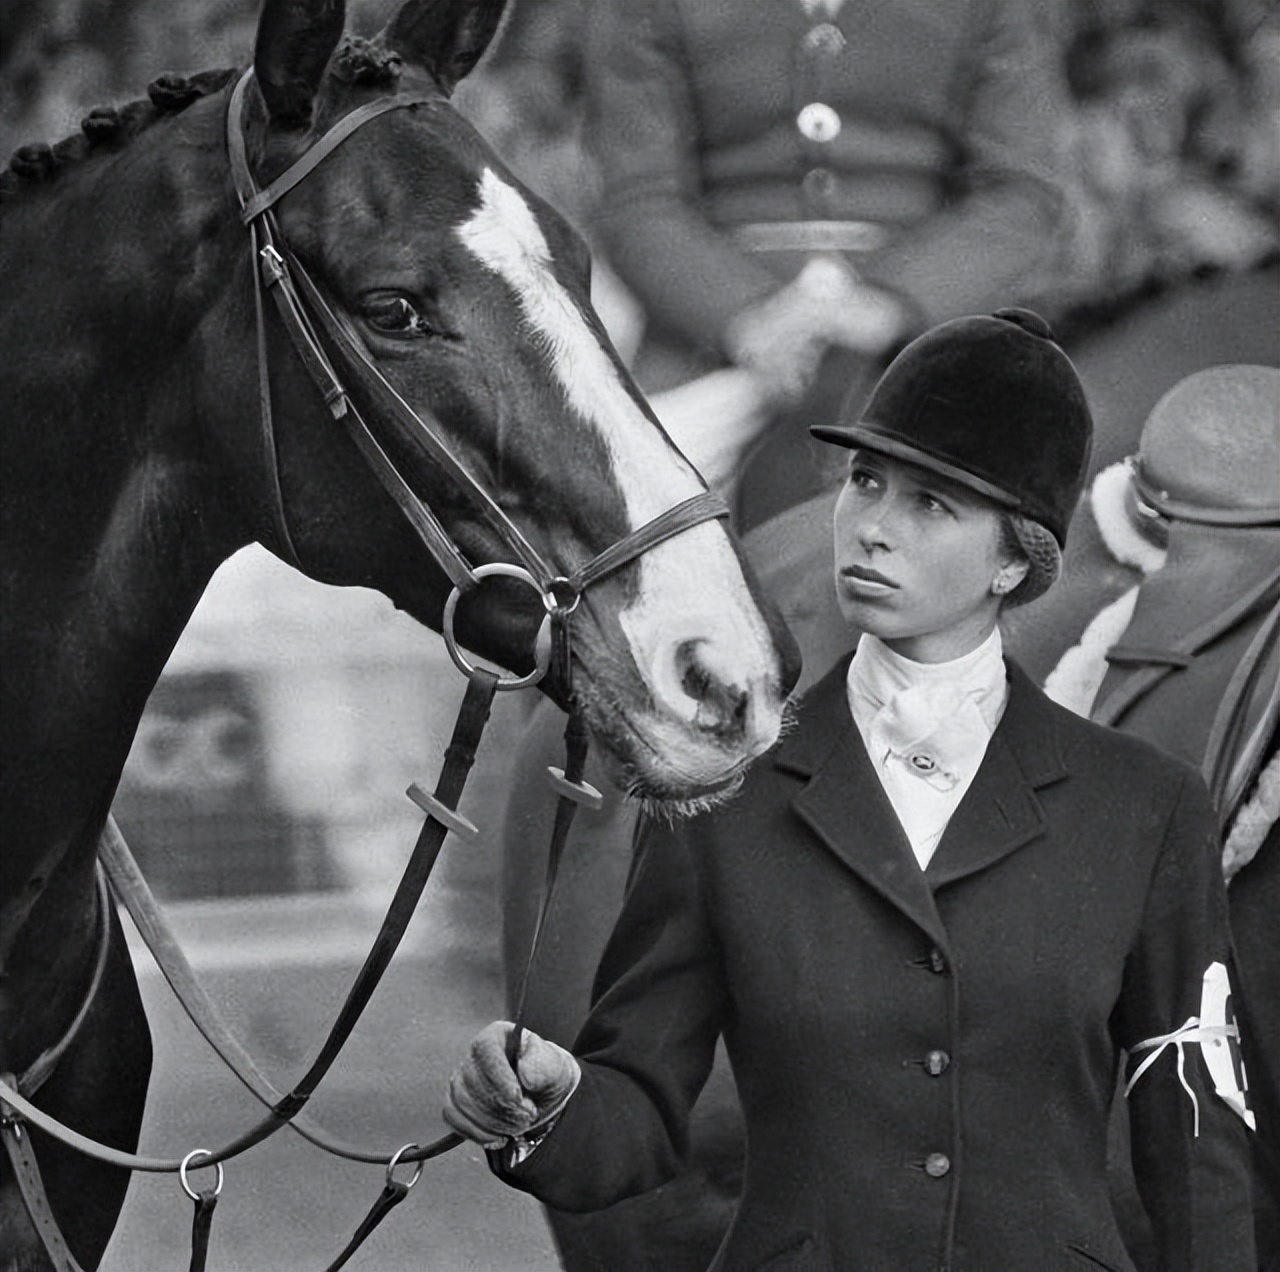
pixel 926 729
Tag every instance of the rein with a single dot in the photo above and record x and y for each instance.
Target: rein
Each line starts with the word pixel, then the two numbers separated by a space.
pixel 302 308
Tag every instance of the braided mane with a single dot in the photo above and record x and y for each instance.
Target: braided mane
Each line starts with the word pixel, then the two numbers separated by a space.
pixel 108 127
pixel 357 61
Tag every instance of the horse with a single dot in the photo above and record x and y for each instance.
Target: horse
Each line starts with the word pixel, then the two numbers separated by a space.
pixel 1126 366
pixel 158 417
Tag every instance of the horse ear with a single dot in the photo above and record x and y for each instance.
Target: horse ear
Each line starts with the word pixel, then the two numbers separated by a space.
pixel 295 41
pixel 445 37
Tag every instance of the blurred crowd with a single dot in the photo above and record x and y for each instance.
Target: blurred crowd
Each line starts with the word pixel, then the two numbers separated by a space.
pixel 1170 150
pixel 1173 142
pixel 1170 153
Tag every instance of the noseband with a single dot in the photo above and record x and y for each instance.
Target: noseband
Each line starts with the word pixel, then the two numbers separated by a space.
pixel 304 311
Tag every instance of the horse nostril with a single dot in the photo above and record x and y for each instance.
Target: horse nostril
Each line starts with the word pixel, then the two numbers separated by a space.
pixel 695 679
pixel 722 708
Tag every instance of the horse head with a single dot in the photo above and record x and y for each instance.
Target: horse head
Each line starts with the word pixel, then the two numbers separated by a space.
pixel 469 297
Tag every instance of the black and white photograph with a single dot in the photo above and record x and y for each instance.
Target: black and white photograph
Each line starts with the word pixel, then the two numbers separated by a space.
pixel 640 635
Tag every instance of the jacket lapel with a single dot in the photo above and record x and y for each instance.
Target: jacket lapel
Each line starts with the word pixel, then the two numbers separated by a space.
pixel 844 804
pixel 1001 811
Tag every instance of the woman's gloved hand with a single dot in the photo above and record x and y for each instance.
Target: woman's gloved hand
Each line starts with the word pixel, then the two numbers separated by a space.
pixel 489 1103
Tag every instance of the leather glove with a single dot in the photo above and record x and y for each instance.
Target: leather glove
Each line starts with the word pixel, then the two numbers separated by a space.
pixel 491 1104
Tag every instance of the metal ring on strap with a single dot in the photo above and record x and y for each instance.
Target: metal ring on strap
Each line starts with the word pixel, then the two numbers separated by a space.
pixel 395 1161
pixel 186 1165
pixel 551 596
pixel 451 643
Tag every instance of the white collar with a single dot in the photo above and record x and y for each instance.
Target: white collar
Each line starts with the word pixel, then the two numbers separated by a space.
pixel 926 727
pixel 877 675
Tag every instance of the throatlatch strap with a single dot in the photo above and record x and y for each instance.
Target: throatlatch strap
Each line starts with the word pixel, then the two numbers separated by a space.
pixel 270 455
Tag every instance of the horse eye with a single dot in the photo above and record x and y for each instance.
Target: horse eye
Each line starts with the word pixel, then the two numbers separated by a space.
pixel 395 316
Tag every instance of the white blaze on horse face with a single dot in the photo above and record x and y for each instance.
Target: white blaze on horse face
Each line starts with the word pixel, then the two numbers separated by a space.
pixel 693 620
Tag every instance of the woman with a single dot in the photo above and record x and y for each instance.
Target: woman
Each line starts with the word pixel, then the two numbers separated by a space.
pixel 934 917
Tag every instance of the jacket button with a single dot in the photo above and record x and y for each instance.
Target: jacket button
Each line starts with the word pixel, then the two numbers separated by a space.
pixel 818 186
pixel 936 962
pixel 936 1062
pixel 818 122
pixel 937 1165
pixel 824 39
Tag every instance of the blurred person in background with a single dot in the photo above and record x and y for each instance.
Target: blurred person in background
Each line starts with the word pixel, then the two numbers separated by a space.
pixel 795 188
pixel 1187 658
pixel 933 919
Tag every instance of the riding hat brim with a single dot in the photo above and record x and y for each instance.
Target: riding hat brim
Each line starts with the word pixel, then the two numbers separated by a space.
pixel 863 435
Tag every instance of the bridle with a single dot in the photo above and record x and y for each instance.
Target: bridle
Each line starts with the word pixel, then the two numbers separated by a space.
pixel 304 311
pixel 315 328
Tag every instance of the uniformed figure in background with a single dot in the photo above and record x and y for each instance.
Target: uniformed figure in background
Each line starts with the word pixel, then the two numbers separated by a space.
pixel 1188 658
pixel 794 188
pixel 934 918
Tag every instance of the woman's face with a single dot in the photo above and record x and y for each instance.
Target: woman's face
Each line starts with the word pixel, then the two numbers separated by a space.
pixel 916 556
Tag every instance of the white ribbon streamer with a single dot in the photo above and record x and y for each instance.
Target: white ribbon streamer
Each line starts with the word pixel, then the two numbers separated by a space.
pixel 1191 1031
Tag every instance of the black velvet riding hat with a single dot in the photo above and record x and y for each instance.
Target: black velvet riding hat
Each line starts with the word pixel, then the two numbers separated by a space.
pixel 991 402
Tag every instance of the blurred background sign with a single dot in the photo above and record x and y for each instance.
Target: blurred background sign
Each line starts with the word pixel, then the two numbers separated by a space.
pixel 194 801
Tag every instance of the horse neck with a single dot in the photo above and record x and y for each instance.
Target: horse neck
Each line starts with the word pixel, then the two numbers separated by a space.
pixel 114 516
